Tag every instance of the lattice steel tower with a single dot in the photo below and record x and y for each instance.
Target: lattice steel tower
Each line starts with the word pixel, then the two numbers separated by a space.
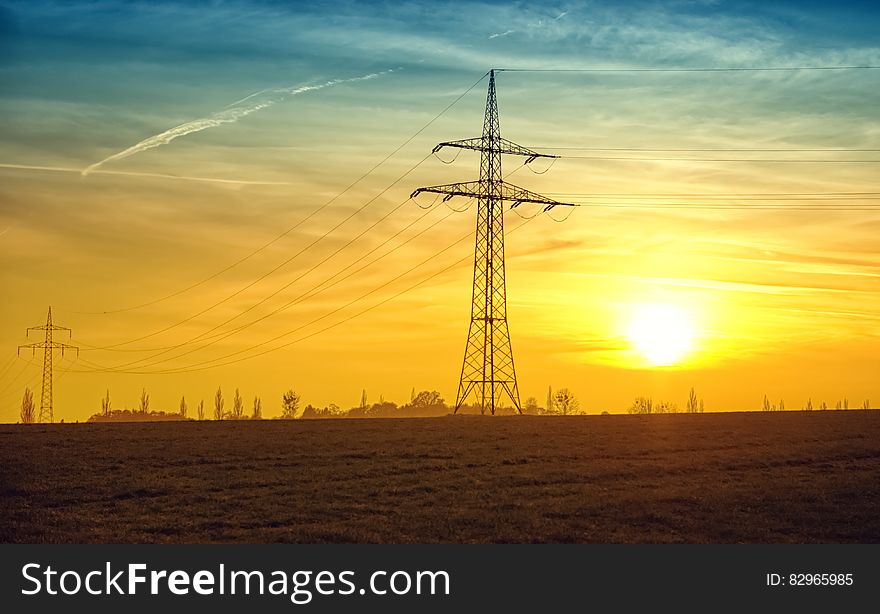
pixel 48 346
pixel 488 368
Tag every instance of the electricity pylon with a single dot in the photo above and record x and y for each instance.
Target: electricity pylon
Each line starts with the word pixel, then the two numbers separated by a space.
pixel 48 346
pixel 488 367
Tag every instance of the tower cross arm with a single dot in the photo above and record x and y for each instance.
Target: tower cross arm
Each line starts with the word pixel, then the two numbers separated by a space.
pixel 42 345
pixel 471 189
pixel 46 327
pixel 518 196
pixel 501 145
pixel 508 192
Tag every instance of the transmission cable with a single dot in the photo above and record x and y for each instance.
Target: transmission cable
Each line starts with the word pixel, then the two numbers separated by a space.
pixel 300 222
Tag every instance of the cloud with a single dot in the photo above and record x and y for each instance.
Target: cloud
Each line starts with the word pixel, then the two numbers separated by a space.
pixel 68 169
pixel 261 100
pixel 500 34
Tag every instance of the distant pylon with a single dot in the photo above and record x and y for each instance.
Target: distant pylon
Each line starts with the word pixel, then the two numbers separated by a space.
pixel 488 368
pixel 48 345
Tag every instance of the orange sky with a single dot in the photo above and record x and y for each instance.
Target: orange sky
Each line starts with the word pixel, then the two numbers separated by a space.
pixel 773 301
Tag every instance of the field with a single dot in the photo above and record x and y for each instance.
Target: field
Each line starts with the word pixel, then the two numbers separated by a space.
pixel 739 477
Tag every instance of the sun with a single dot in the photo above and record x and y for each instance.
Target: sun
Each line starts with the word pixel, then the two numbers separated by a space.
pixel 663 334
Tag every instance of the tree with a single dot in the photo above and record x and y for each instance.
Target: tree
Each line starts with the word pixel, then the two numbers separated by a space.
pixel 665 407
pixel 105 404
pixel 363 404
pixel 200 412
pixel 145 401
pixel 237 412
pixel 427 399
pixel 289 404
pixel 824 405
pixel 702 407
pixel 642 405
pixel 27 407
pixel 258 409
pixel 781 404
pixel 766 406
pixel 809 405
pixel 845 403
pixel 183 407
pixel 531 406
pixel 866 404
pixel 412 394
pixel 693 404
pixel 549 409
pixel 565 402
pixel 218 404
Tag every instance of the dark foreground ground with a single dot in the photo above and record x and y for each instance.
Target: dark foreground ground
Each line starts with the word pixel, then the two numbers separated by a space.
pixel 757 477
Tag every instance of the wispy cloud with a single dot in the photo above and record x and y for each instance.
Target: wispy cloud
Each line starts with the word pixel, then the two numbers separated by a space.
pixel 232 113
pixel 70 169
pixel 500 34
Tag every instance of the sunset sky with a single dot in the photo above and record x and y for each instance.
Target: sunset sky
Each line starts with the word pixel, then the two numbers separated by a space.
pixel 735 252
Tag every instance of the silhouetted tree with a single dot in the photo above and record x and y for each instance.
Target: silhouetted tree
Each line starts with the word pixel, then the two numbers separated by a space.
pixel 550 409
pixel 824 405
pixel 839 405
pixel 363 404
pixel 781 404
pixel 258 409
pixel 237 412
pixel 289 405
pixel 200 411
pixel 412 394
pixel 218 404
pixel 845 403
pixel 183 407
pixel 693 404
pixel 105 404
pixel 809 405
pixel 27 407
pixel 427 399
pixel 565 402
pixel 866 404
pixel 766 406
pixel 665 407
pixel 641 405
pixel 145 401
pixel 531 406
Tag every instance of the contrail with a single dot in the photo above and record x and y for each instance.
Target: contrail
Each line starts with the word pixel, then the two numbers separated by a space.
pixel 230 114
pixel 70 169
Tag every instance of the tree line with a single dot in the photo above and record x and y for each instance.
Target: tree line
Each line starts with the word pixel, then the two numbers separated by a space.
pixel 426 403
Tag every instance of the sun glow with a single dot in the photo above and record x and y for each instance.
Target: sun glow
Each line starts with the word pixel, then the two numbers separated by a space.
pixel 663 334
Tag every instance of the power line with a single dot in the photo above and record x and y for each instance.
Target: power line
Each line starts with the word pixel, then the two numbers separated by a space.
pixel 758 207
pixel 743 149
pixel 709 69
pixel 206 366
pixel 761 160
pixel 270 272
pixel 750 196
pixel 304 296
pixel 9 386
pixel 300 222
pixel 314 291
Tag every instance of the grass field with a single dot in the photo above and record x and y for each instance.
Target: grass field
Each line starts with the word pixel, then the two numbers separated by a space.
pixel 742 477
